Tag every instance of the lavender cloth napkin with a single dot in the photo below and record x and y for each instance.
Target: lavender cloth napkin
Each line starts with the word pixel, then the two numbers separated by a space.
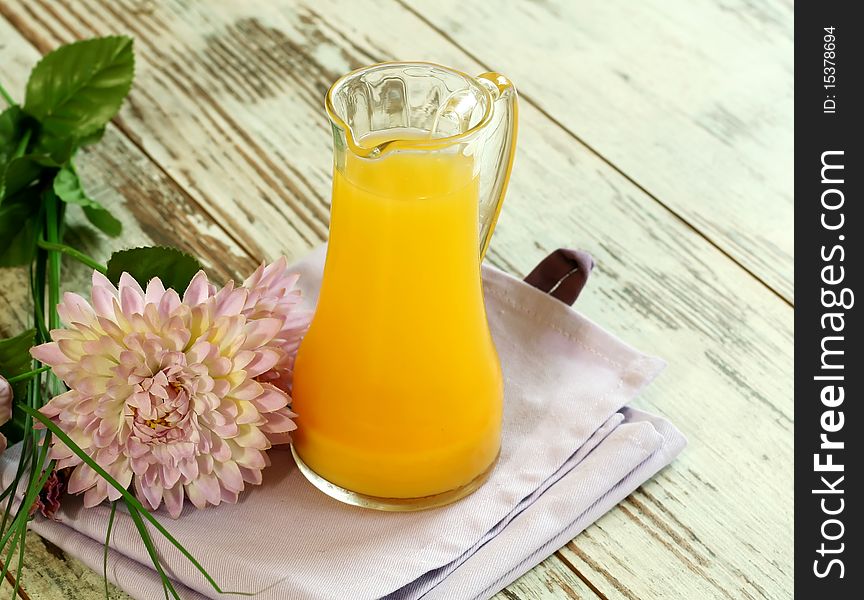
pixel 571 451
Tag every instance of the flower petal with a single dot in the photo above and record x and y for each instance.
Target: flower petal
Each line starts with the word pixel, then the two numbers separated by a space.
pixel 279 422
pixel 174 500
pixel 131 295
pixel 261 331
pixel 95 495
pixel 270 399
pixel 229 474
pixel 82 479
pixel 49 353
pixel 75 309
pixel 155 291
pixel 198 290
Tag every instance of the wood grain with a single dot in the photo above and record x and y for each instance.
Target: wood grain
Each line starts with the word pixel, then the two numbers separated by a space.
pixel 691 100
pixel 50 574
pixel 551 580
pixel 228 104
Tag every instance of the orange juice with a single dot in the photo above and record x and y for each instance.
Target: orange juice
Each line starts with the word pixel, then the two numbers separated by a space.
pixel 397 384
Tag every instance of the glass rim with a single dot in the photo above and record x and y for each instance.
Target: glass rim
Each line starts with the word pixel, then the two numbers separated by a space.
pixel 408 144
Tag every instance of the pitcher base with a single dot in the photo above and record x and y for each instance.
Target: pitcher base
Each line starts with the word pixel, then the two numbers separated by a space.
pixel 391 504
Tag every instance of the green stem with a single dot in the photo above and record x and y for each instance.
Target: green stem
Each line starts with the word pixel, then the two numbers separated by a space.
pixel 105 554
pixel 21 150
pixel 37 283
pixel 52 232
pixel 22 145
pixel 167 586
pixel 28 374
pixel 6 96
pixel 37 289
pixel 21 550
pixel 73 253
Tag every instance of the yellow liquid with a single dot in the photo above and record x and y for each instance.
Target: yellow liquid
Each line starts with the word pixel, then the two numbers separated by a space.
pixel 397 384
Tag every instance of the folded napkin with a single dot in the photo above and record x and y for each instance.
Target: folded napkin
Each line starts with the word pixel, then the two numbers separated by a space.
pixel 571 450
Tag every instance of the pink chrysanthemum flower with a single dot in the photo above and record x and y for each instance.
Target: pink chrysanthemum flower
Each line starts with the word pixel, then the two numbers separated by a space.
pixel 182 397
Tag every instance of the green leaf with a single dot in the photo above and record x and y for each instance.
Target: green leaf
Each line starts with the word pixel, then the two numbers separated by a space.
pixel 12 125
pixel 18 229
pixel 175 268
pixel 92 138
pixel 16 172
pixel 15 359
pixel 68 188
pixel 103 220
pixel 75 90
pixel 24 171
pixel 60 150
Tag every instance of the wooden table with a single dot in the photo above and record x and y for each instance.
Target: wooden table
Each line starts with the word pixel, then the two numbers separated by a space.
pixel 656 134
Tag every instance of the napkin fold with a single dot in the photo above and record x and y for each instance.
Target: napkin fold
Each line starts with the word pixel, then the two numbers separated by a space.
pixel 571 450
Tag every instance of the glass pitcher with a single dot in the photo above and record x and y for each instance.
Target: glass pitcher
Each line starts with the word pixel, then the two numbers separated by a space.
pixel 397 384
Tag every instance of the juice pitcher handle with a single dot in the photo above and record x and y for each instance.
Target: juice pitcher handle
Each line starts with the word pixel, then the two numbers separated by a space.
pixel 504 124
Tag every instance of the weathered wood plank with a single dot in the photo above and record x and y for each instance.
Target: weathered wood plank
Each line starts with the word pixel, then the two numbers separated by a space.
pixel 50 574
pixel 154 210
pixel 551 580
pixel 693 100
pixel 237 89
